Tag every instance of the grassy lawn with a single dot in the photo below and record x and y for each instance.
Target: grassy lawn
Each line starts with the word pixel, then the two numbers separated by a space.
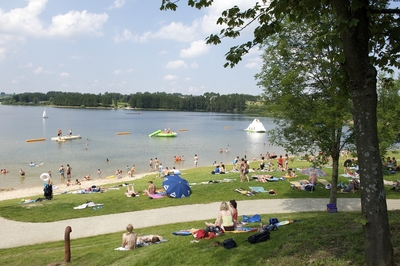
pixel 318 239
pixel 61 207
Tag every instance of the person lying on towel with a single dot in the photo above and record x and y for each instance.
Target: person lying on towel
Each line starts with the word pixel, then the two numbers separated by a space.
pixel 149 239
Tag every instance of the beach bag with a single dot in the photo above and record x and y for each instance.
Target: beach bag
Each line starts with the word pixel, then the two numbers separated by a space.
pixel 309 188
pixel 273 220
pixel 229 243
pixel 255 218
pixel 259 237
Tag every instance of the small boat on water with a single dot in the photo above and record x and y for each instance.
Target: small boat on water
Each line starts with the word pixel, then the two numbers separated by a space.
pixel 67 137
pixel 161 133
pixel 44 114
pixel 256 126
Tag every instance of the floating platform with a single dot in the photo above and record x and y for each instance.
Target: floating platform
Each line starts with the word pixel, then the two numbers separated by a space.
pixel 160 133
pixel 123 133
pixel 34 140
pixel 64 138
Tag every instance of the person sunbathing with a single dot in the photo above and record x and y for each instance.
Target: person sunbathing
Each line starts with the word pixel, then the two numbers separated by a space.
pixel 149 239
pixel 352 186
pixel 264 178
pixel 131 192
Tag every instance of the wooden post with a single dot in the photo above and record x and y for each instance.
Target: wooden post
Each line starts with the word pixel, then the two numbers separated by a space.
pixel 67 241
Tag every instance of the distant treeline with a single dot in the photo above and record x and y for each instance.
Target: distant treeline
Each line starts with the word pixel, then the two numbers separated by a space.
pixel 209 102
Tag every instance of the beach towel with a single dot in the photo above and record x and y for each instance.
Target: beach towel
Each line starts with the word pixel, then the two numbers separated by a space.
pixel 155 196
pixel 258 189
pixel 243 230
pixel 89 204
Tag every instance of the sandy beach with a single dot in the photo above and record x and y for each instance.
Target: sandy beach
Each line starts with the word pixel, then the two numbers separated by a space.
pixel 27 193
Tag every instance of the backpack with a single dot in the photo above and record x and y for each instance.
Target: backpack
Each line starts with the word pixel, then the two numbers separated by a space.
pixel 259 237
pixel 273 220
pixel 229 243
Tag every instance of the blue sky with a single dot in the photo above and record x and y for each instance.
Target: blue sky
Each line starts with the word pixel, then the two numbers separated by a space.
pixel 125 46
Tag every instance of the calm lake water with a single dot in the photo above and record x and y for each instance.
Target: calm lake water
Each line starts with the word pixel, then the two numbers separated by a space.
pixel 206 134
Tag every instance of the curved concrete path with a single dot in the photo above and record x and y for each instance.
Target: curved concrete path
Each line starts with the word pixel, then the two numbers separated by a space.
pixel 34 233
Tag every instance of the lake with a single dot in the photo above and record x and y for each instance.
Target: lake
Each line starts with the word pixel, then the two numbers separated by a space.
pixel 203 134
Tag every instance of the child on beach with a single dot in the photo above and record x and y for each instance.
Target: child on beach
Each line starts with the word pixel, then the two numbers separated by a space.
pixel 98 173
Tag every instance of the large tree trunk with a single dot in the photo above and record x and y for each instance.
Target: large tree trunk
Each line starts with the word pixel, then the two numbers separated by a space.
pixel 362 84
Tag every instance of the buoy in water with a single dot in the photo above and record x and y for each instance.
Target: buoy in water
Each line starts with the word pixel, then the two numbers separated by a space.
pixel 45 177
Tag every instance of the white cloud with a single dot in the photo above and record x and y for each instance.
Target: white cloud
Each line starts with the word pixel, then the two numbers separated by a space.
pixel 188 79
pixel 18 79
pixel 170 77
pixel 77 23
pixel 120 72
pixel 64 75
pixel 174 31
pixel 193 89
pixel 196 48
pixel 178 64
pixel 117 4
pixel 19 23
pixel 25 21
pixel 38 70
pixel 194 65
pixel 253 58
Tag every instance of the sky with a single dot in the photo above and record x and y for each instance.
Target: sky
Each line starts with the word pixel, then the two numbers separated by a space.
pixel 123 46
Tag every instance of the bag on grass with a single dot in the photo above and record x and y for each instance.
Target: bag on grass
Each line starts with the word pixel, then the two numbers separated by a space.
pixel 255 218
pixel 273 220
pixel 229 243
pixel 259 237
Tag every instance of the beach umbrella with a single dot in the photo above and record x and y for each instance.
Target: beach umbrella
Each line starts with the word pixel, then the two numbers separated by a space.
pixel 176 187
pixel 317 171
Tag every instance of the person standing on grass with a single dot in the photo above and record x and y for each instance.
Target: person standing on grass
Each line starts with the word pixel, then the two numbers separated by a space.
pixel 242 169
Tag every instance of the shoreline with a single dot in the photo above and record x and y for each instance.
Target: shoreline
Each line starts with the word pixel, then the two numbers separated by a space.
pixel 23 193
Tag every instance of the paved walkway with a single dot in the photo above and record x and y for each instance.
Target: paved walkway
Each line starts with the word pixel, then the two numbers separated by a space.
pixel 12 236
